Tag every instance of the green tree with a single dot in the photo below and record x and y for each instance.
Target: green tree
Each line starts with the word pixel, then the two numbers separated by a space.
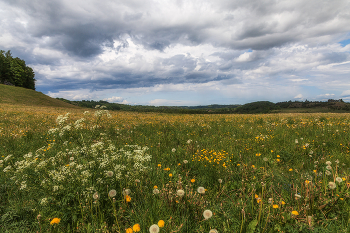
pixel 15 71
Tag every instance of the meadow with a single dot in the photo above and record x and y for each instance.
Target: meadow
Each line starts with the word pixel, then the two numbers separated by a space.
pixel 94 170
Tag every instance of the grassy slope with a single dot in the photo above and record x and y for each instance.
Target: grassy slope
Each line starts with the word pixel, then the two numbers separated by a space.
pixel 22 96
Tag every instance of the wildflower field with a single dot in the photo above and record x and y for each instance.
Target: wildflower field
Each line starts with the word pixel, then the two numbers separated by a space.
pixel 99 171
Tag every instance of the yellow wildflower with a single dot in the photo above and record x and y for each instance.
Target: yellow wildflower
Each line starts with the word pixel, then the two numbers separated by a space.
pixel 55 221
pixel 294 212
pixel 129 230
pixel 136 227
pixel 161 223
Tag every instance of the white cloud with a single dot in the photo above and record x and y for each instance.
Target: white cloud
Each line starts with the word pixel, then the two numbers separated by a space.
pixel 299 96
pixel 116 99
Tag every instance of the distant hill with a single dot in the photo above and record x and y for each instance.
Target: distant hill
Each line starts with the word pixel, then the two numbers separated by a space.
pixel 22 96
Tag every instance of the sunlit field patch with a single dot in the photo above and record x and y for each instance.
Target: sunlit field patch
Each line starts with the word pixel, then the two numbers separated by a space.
pixel 93 170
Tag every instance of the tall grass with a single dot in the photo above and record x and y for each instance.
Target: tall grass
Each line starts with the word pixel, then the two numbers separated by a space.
pixel 103 171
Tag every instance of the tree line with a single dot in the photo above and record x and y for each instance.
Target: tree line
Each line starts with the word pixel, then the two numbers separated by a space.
pixel 15 71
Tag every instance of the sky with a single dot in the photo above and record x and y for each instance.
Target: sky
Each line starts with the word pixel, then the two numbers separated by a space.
pixel 182 52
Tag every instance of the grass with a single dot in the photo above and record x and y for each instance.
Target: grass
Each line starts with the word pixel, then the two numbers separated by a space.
pixel 115 171
pixel 27 97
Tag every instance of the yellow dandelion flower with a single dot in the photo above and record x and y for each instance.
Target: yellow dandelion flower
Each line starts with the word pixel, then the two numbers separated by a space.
pixel 256 196
pixel 159 165
pixel 278 160
pixel 193 180
pixel 290 169
pixel 161 223
pixel 136 227
pixel 155 187
pixel 129 230
pixel 294 212
pixel 283 203
pixel 127 198
pixel 278 156
pixel 275 206
pixel 238 164
pixel 170 175
pixel 55 221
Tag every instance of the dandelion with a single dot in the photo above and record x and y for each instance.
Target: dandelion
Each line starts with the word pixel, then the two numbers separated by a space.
pixel 275 206
pixel 154 228
pixel 155 191
pixel 283 203
pixel 329 167
pixel 180 192
pixel 328 163
pixel 189 141
pixel 127 198
pixel 173 150
pixel 161 223
pixel 96 196
pixel 213 231
pixel 296 141
pixel 112 193
pixel 55 221
pixel 270 201
pixel 339 179
pixel 220 181
pixel 258 200
pixel 170 175
pixel 201 190
pixel 185 161
pixel 193 180
pixel 137 181
pixel 126 192
pixel 71 158
pixel 265 159
pixel 337 161
pixel 136 227
pixel 129 230
pixel 332 185
pixel 207 214
pixel 328 173
pixel 294 212
pixel 297 196
pixel 109 174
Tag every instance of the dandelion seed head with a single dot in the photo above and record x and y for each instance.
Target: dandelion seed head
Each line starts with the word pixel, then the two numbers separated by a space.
pixel 112 193
pixel 156 191
pixel 154 228
pixel 339 179
pixel 207 214
pixel 201 190
pixel 109 174
pixel 96 196
pixel 180 192
pixel 332 185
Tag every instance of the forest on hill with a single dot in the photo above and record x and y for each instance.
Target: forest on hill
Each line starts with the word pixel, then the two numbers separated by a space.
pixel 14 71
pixel 258 107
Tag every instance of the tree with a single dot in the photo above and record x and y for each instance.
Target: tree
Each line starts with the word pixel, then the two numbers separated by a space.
pixel 15 71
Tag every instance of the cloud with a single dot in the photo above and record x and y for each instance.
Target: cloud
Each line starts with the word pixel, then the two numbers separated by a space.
pixel 116 99
pixel 299 96
pixel 85 47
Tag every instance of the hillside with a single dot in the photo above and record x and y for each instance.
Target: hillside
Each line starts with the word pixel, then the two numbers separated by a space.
pixel 23 96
